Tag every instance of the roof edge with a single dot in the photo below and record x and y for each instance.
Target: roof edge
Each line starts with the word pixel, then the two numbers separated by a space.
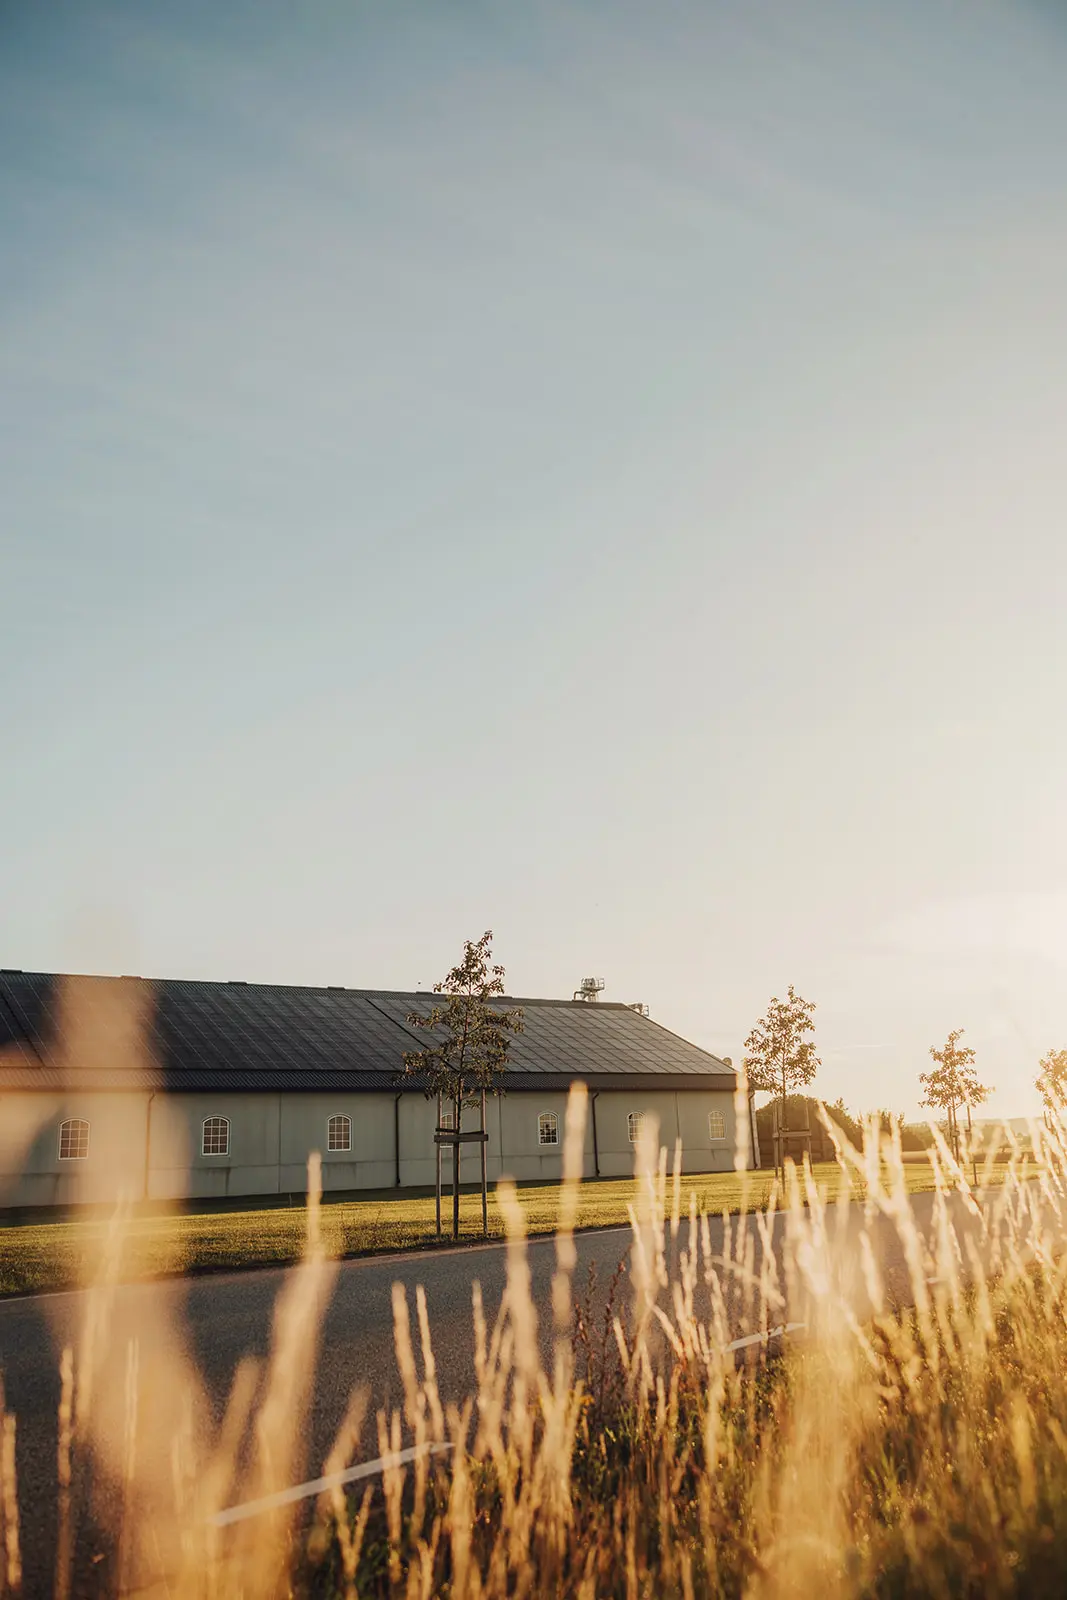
pixel 282 1080
pixel 313 988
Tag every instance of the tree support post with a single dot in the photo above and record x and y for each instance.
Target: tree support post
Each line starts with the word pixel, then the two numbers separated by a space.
pixel 455 1169
pixel 970 1141
pixel 449 1136
pixel 485 1184
pixel 438 1148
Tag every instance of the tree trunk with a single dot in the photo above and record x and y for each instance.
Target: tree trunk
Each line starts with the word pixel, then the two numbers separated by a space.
pixel 485 1183
pixel 970 1141
pixel 437 1151
pixel 455 1170
pixel 781 1127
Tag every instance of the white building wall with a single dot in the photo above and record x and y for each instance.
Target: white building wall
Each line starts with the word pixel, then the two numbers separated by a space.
pixel 31 1170
pixel 271 1135
pixel 681 1114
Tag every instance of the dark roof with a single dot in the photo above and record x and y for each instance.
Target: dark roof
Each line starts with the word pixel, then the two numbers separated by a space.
pixel 109 1033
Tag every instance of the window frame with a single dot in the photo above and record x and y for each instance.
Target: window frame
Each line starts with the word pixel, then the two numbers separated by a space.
pixel 635 1121
pixel 82 1124
pixel 547 1120
pixel 345 1126
pixel 717 1138
pixel 447 1123
pixel 216 1121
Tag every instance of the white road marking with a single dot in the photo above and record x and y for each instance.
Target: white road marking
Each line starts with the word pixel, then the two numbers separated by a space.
pixel 762 1338
pixel 303 1491
pixel 402 1458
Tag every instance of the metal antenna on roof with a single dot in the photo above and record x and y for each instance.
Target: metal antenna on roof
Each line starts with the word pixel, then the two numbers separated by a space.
pixel 590 989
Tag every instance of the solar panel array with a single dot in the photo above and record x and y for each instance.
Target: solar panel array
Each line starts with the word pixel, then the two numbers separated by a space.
pixel 275 1036
pixel 24 1021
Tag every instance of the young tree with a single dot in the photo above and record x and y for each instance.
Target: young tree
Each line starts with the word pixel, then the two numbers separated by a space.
pixel 470 1055
pixel 953 1085
pixel 778 1058
pixel 1051 1083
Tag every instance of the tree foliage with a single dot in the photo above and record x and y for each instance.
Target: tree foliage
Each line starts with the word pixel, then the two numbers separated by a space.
pixel 473 1037
pixel 952 1084
pixel 851 1126
pixel 1051 1081
pixel 913 1136
pixel 779 1059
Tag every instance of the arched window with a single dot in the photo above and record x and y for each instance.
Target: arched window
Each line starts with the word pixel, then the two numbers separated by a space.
pixel 548 1128
pixel 634 1123
pixel 339 1133
pixel 73 1139
pixel 216 1136
pixel 716 1125
pixel 448 1118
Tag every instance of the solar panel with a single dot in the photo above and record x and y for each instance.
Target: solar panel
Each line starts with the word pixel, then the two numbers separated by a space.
pixel 236 1035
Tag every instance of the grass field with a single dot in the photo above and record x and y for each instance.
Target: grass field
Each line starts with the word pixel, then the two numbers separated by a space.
pixel 51 1255
pixel 889 1453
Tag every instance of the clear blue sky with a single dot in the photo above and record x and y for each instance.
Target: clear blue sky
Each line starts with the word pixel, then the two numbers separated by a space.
pixel 594 471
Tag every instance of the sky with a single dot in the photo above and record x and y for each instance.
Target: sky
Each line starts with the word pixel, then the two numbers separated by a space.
pixel 590 471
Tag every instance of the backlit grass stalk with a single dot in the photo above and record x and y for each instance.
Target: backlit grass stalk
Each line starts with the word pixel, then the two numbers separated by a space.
pixel 915 1441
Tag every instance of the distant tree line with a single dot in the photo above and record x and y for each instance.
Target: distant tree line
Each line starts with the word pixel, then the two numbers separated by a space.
pixel 780 1060
pixel 803 1111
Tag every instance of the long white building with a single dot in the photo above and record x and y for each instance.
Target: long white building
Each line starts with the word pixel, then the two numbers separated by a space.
pixel 164 1089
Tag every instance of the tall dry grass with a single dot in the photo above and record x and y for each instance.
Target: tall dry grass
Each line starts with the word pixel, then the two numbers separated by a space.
pixel 911 1439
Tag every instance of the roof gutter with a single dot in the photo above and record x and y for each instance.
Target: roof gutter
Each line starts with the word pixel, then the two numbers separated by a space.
pixel 148 1142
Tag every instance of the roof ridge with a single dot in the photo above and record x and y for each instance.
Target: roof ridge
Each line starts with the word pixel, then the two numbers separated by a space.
pixel 314 988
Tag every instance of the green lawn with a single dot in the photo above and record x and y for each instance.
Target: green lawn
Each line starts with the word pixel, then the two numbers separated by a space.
pixel 52 1255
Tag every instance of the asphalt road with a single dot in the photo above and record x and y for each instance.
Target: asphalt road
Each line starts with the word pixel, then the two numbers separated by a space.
pixel 228 1317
